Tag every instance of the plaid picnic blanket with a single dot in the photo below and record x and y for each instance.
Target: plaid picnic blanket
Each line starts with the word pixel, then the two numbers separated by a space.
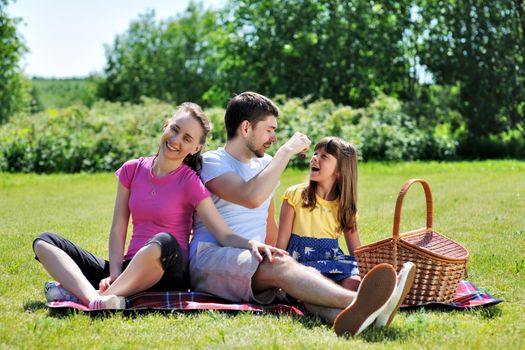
pixel 186 301
pixel 467 296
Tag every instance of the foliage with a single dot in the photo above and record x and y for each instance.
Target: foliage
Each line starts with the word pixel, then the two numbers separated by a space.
pixel 14 95
pixel 61 93
pixel 80 207
pixel 381 131
pixel 506 144
pixel 454 71
pixel 77 139
pixel 451 62
pixel 344 51
pixel 480 47
pixel 166 60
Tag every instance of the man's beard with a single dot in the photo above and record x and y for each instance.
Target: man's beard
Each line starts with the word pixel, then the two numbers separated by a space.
pixel 259 152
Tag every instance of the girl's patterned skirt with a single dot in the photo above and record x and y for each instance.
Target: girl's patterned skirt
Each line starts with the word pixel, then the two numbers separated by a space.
pixel 323 254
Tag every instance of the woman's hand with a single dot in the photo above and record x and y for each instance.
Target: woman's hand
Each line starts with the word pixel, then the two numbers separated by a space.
pixel 259 249
pixel 104 284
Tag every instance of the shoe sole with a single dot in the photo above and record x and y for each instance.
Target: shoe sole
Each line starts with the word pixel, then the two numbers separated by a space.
pixel 372 297
pixel 408 285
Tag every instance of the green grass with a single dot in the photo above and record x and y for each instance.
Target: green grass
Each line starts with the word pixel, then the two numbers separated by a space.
pixel 479 204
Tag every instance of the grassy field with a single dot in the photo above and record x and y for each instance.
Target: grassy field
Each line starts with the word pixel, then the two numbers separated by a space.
pixel 479 204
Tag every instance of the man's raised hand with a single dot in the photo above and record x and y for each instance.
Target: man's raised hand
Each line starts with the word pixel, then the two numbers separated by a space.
pixel 298 143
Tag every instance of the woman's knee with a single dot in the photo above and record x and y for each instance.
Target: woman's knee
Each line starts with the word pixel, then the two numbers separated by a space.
pixel 170 250
pixel 43 241
pixel 167 243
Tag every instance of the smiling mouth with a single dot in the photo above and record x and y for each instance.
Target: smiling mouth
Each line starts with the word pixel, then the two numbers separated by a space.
pixel 315 168
pixel 171 148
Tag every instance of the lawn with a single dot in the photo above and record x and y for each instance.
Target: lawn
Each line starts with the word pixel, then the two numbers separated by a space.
pixel 480 204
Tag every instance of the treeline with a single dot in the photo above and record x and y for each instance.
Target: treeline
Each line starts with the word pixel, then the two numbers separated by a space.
pixel 454 69
pixel 61 93
pixel 347 51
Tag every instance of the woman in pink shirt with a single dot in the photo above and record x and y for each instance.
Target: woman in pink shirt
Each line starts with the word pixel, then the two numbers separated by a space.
pixel 160 193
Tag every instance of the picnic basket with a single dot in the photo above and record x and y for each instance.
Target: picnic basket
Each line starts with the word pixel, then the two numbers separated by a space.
pixel 440 262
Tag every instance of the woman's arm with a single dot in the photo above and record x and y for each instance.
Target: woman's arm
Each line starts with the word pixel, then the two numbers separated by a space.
pixel 117 236
pixel 219 229
pixel 271 226
pixel 352 240
pixel 285 225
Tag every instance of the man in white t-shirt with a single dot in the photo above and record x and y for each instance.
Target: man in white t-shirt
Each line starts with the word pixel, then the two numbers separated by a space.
pixel 242 178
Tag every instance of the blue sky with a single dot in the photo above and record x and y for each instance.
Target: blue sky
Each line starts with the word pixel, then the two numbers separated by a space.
pixel 66 37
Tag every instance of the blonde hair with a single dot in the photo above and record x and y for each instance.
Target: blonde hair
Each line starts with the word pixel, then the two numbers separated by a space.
pixel 346 184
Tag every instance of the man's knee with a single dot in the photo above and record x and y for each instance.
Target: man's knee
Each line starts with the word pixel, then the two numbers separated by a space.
pixel 277 268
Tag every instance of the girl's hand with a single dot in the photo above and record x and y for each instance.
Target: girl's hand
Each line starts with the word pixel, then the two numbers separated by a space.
pixel 259 249
pixel 105 283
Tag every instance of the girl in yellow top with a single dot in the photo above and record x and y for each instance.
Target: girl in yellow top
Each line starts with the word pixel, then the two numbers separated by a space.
pixel 315 214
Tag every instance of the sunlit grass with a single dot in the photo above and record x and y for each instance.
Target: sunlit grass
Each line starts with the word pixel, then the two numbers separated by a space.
pixel 479 204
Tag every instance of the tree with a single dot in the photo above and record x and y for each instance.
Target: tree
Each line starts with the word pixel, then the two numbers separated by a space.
pixel 166 60
pixel 13 87
pixel 348 51
pixel 480 46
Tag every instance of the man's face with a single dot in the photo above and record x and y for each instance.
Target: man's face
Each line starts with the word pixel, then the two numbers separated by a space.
pixel 261 137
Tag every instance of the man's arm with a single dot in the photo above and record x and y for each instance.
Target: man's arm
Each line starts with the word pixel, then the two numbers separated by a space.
pixel 271 226
pixel 219 229
pixel 253 193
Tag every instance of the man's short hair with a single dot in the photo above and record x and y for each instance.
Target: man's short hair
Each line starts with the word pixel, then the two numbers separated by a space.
pixel 249 106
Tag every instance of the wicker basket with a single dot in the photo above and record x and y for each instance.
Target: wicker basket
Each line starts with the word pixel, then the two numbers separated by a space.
pixel 440 262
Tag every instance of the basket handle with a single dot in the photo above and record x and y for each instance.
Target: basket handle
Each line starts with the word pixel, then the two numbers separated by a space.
pixel 399 205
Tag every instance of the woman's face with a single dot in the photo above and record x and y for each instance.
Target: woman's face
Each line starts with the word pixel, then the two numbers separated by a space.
pixel 182 136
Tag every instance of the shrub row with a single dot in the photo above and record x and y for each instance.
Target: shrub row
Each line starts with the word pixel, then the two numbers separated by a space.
pixel 102 137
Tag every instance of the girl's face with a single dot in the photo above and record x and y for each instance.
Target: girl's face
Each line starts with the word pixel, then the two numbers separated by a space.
pixel 323 166
pixel 182 136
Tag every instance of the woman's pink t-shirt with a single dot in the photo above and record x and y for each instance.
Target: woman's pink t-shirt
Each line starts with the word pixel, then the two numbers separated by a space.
pixel 160 204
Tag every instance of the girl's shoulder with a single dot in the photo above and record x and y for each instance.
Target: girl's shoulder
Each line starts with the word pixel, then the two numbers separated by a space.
pixel 293 193
pixel 297 188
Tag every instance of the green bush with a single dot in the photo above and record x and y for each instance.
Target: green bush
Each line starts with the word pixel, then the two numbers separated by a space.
pixel 101 138
pixel 382 131
pixel 77 139
pixel 508 144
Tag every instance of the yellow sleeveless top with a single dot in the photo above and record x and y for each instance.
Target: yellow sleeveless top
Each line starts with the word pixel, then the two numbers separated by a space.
pixel 319 223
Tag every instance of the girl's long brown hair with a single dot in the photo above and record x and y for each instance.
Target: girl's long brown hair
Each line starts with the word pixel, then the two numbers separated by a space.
pixel 346 184
pixel 194 161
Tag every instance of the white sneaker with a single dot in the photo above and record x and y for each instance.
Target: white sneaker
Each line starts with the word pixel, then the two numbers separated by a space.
pixel 55 292
pixel 405 280
pixel 108 302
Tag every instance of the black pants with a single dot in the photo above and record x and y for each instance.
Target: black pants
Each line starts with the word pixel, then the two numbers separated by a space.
pixel 95 269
